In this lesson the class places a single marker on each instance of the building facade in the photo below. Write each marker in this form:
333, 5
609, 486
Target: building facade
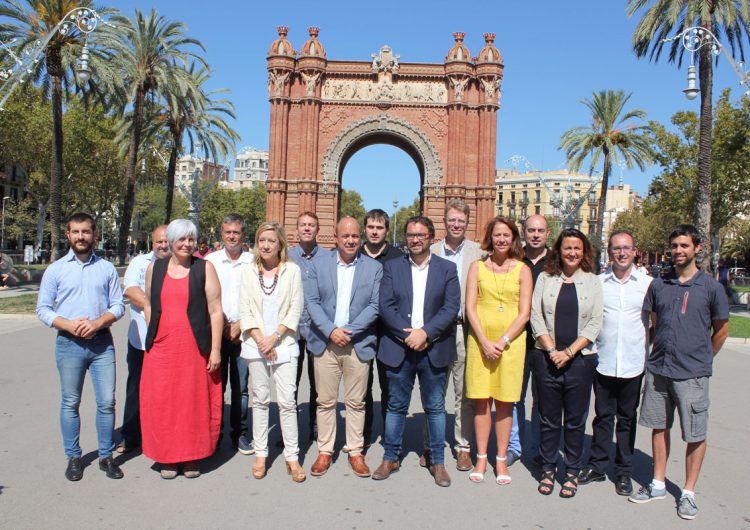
250, 166
187, 165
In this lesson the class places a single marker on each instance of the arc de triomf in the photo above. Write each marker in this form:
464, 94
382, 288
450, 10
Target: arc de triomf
443, 115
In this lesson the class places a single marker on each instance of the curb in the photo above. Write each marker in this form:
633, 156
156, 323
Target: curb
17, 316
737, 340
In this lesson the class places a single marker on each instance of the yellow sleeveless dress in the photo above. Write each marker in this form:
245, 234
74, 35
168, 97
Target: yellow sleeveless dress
500, 379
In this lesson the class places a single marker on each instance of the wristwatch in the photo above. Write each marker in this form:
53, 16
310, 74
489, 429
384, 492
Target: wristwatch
278, 336
507, 340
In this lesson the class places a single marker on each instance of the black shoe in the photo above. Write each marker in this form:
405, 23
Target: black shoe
110, 467
623, 485
74, 471
588, 475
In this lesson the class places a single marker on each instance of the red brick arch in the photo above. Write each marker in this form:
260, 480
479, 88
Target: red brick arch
322, 112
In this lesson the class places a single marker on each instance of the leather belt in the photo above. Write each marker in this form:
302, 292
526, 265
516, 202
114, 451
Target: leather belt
103, 331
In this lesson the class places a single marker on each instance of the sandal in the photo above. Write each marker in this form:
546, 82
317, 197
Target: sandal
297, 472
259, 468
168, 471
476, 476
191, 469
568, 492
546, 488
502, 480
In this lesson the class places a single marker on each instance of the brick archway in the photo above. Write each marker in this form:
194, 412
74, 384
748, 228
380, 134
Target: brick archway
322, 112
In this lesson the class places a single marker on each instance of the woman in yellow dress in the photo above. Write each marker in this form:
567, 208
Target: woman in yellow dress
498, 302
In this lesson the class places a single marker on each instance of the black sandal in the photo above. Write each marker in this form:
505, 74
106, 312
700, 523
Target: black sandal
568, 492
545, 488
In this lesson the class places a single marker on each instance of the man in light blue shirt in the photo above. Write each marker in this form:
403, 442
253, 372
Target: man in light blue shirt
135, 290
87, 292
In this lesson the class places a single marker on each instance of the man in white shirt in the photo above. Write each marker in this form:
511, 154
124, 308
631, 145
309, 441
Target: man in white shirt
622, 346
229, 263
135, 290
461, 251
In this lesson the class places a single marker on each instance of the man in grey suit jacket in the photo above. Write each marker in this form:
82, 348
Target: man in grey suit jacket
461, 251
341, 292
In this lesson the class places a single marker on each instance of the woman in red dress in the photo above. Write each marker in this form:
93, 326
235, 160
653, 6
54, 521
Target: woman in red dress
180, 390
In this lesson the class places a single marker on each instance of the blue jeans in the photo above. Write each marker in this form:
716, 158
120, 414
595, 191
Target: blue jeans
74, 357
518, 431
432, 382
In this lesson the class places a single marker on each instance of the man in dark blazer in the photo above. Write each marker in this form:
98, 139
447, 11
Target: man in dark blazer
341, 293
420, 298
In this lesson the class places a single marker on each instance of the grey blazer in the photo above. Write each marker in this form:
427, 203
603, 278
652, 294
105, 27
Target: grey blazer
471, 253
321, 288
590, 307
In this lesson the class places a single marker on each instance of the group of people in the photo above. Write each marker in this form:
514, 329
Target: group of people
491, 317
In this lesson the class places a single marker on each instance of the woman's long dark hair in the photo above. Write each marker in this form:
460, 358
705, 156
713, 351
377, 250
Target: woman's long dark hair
553, 267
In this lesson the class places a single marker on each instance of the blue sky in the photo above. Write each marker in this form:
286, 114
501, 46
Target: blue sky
555, 54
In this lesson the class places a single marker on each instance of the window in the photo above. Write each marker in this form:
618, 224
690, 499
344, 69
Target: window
538, 196
513, 197
525, 196
512, 212
537, 210
524, 212
500, 195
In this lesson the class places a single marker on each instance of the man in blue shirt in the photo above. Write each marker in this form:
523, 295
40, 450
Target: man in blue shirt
690, 315
87, 292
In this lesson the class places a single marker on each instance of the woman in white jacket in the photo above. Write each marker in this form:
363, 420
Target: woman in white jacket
270, 307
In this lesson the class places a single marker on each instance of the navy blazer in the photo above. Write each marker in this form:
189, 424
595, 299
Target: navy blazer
321, 289
441, 304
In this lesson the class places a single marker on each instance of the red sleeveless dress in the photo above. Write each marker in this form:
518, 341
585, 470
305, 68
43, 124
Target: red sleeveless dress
180, 401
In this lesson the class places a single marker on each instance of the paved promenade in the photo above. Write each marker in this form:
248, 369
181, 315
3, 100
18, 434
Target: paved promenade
35, 494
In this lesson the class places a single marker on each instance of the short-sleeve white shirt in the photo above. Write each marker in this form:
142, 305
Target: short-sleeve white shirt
230, 278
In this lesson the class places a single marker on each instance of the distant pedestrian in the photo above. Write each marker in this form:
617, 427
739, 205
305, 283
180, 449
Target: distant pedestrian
80, 296
690, 315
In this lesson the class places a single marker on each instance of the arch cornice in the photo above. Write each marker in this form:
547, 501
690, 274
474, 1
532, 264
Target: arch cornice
376, 125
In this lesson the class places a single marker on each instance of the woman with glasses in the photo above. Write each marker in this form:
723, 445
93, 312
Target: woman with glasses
498, 300
566, 316
270, 309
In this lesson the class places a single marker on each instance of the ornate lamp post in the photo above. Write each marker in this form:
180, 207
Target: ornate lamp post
693, 39
395, 212
83, 20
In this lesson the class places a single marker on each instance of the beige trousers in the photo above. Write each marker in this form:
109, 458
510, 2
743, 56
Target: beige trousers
330, 366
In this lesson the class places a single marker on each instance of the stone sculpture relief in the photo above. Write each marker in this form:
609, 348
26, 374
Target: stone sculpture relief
311, 80
410, 92
276, 81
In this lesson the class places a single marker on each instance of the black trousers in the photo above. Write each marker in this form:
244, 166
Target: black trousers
234, 371
564, 398
615, 397
313, 403
131, 420
369, 407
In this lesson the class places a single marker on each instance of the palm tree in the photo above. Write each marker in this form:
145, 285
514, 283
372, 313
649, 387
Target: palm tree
152, 53
29, 24
200, 116
610, 137
665, 18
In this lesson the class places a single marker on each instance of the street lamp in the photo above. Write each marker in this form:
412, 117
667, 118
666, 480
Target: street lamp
693, 39
81, 19
2, 230
395, 212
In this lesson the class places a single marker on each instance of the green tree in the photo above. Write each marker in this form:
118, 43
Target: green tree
150, 200
352, 205
152, 54
249, 203
29, 22
20, 221
610, 137
735, 247
401, 215
663, 18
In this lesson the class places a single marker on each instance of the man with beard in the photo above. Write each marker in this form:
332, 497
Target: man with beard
690, 316
135, 290
80, 296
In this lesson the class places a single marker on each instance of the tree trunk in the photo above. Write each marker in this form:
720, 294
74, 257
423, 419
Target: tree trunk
131, 176
703, 202
603, 201
171, 169
40, 217
56, 171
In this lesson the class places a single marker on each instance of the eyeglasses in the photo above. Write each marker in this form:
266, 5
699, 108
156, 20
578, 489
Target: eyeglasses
624, 250
418, 237
457, 222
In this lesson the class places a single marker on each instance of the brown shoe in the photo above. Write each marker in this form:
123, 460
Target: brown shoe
359, 466
463, 461
425, 460
440, 474
321, 465
385, 469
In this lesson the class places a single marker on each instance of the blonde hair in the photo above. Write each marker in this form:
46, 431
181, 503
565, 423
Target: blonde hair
280, 235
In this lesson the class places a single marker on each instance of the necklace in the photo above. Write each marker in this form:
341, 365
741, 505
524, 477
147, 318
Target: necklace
268, 289
500, 292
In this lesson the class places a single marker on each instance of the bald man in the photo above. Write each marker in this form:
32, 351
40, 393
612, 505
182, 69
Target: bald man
341, 296
535, 233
